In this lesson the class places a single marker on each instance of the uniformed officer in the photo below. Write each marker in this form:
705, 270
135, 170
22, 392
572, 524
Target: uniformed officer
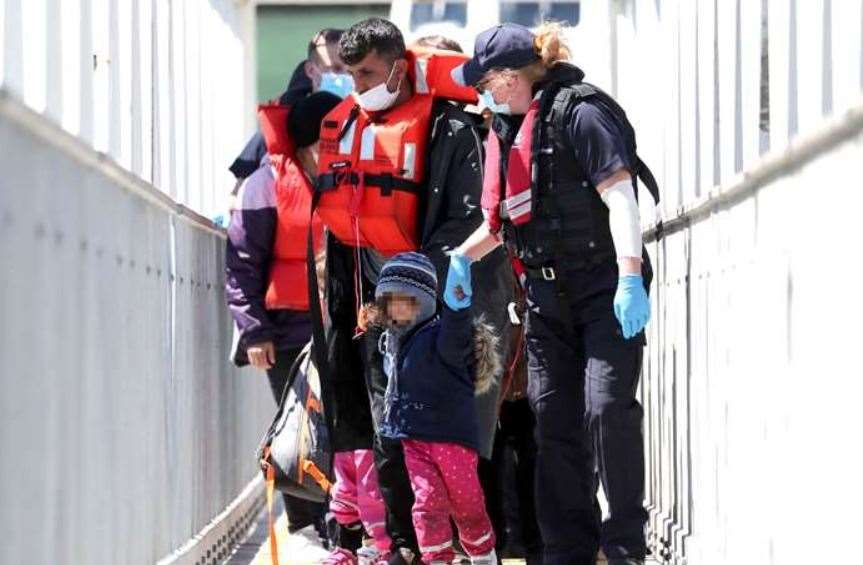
559, 190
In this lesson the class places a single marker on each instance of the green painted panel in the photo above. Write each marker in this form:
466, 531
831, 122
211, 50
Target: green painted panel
283, 34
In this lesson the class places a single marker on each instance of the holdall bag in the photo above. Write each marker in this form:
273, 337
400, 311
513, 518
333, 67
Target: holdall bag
296, 452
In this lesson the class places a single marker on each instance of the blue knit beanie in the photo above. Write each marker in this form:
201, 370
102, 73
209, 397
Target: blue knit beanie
412, 274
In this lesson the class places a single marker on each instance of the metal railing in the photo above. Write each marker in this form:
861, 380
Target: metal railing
125, 431
750, 115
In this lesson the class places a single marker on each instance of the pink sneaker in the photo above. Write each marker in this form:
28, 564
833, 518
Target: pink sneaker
402, 556
340, 556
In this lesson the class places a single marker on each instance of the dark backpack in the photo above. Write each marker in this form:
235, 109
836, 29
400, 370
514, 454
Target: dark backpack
571, 95
296, 452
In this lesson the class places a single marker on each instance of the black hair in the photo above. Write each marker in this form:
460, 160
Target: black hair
372, 34
304, 121
439, 42
329, 35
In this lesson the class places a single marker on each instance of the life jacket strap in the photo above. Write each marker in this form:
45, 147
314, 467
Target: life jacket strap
385, 181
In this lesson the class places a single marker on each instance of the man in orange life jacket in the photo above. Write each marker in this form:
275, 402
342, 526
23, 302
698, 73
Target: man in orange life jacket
448, 197
268, 305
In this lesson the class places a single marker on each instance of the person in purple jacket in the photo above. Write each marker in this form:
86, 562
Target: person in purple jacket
271, 339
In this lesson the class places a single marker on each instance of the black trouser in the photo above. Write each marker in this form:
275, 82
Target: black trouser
301, 512
509, 488
582, 382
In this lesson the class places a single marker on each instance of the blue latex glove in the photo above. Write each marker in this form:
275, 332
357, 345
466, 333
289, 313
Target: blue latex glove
221, 220
631, 305
458, 289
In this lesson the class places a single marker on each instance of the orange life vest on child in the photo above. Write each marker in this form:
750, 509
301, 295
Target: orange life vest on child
288, 285
371, 166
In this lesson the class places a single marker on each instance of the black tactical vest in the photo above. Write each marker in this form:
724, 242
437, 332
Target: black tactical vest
569, 223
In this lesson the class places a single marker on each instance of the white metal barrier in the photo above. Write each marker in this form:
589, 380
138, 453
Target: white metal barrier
166, 88
124, 430
750, 385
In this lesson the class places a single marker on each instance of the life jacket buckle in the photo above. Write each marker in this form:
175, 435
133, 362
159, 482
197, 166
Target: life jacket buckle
548, 273
386, 184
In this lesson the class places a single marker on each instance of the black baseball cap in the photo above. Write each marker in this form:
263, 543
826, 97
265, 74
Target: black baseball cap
503, 46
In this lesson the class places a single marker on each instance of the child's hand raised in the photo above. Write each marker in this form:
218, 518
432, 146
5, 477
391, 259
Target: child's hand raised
458, 291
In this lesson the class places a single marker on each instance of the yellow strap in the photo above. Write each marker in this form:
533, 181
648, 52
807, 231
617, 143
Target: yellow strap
271, 488
320, 478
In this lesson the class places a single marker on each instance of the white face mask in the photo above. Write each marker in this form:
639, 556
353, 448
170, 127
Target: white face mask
380, 98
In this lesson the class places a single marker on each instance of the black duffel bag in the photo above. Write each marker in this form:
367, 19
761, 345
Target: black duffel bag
296, 452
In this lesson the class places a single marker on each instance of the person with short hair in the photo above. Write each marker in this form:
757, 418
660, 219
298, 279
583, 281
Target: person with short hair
322, 69
448, 210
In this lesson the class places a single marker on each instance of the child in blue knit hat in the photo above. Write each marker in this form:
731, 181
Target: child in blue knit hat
429, 404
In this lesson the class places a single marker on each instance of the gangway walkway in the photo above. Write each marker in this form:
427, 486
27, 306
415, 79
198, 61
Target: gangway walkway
301, 548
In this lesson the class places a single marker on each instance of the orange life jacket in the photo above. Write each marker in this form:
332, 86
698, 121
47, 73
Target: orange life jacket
288, 286
372, 166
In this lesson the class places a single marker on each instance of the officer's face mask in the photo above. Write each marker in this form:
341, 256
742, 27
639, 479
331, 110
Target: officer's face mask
379, 97
488, 101
513, 89
340, 84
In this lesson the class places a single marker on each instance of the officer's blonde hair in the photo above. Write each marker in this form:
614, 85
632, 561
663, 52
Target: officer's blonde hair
549, 43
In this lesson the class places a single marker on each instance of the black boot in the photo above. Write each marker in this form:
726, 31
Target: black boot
349, 537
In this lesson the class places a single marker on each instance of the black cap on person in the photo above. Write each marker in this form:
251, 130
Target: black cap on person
508, 46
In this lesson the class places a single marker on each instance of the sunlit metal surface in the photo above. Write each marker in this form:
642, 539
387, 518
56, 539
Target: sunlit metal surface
124, 429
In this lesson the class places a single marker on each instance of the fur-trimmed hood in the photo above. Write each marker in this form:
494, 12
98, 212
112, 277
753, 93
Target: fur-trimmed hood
486, 345
486, 351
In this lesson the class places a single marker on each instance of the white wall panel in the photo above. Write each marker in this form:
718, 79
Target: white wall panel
124, 429
54, 59
689, 149
846, 38
707, 115
783, 64
750, 340
34, 48
155, 84
178, 96
749, 49
811, 68
72, 54
729, 80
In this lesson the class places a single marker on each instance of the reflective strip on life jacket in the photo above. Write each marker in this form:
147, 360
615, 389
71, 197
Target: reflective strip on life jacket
516, 204
346, 144
367, 143
420, 84
409, 166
